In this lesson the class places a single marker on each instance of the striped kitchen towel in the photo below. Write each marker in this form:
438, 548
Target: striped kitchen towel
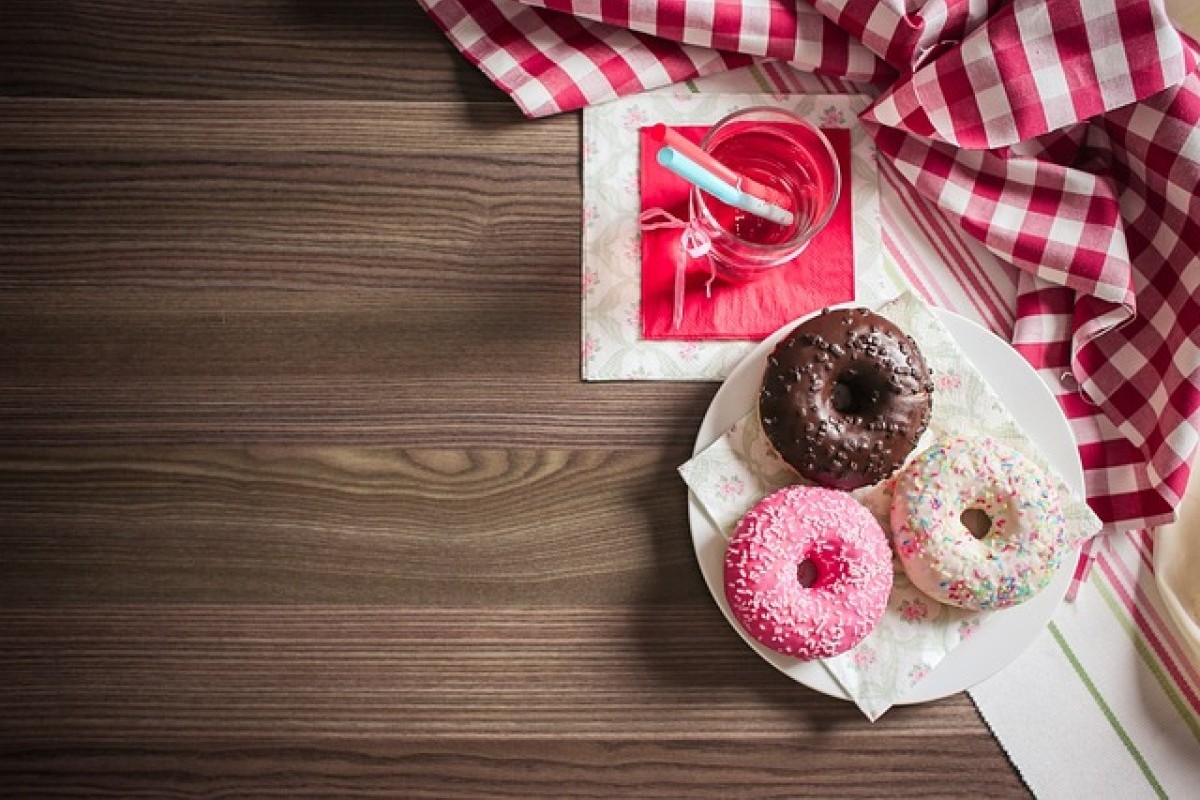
1117, 697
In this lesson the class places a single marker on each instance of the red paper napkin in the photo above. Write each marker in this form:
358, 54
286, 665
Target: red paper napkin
821, 275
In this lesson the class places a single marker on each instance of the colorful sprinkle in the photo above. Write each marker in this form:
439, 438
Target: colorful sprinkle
1019, 554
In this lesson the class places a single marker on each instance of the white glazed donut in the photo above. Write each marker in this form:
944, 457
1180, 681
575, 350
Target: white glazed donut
1023, 547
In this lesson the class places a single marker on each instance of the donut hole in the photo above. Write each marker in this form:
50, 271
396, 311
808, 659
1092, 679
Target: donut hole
807, 573
977, 522
855, 394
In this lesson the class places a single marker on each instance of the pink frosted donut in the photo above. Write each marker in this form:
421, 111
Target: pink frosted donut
808, 572
1023, 535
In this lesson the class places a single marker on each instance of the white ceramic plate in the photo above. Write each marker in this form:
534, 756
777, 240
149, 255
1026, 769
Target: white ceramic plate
1010, 631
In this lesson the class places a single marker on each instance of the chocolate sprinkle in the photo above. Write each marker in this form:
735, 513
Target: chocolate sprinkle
883, 390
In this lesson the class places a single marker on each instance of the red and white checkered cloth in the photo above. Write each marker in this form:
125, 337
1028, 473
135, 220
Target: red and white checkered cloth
1062, 134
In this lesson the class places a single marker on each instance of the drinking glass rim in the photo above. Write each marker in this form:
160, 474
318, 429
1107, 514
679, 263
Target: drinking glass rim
791, 116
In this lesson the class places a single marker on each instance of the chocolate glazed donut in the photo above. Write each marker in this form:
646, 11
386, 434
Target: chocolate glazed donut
845, 398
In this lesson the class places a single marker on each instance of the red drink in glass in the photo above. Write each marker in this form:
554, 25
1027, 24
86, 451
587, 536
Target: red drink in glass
782, 151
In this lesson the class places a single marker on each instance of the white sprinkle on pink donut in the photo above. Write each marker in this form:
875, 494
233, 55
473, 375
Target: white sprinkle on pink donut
831, 541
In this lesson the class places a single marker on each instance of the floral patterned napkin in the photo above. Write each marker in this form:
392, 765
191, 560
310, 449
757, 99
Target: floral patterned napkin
916, 632
613, 347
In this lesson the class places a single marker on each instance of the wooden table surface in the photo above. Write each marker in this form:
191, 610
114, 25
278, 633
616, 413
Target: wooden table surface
300, 491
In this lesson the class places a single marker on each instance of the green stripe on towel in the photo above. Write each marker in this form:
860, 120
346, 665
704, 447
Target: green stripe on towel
1143, 650
762, 81
1108, 713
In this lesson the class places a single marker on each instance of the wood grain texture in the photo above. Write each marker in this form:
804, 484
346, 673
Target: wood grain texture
448, 527
287, 196
300, 492
720, 768
232, 49
333, 272
427, 367
648, 701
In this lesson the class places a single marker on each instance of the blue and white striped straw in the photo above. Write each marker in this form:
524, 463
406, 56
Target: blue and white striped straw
727, 193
